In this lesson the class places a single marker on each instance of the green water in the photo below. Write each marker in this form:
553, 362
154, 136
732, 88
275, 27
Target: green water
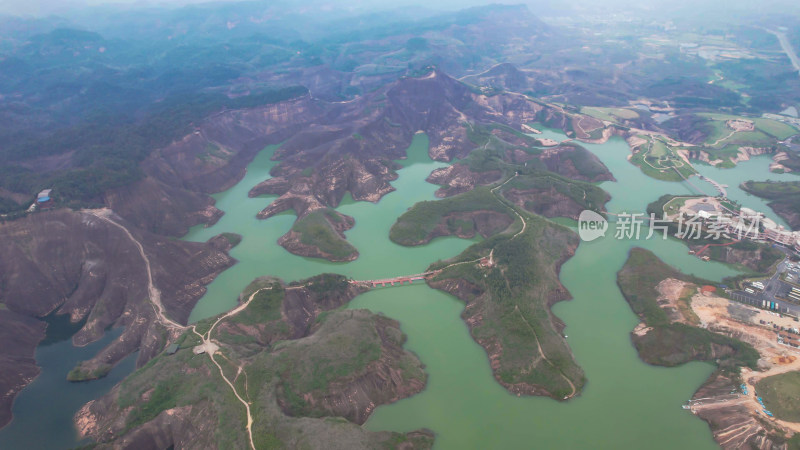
43, 411
258, 254
625, 403
757, 169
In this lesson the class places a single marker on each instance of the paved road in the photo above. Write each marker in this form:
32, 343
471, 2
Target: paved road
774, 287
787, 48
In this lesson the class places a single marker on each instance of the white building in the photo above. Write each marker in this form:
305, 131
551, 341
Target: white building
780, 235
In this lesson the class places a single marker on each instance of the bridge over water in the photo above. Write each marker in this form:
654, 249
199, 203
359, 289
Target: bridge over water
720, 188
396, 281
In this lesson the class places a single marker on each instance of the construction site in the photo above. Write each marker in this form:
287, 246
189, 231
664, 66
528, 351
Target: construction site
770, 333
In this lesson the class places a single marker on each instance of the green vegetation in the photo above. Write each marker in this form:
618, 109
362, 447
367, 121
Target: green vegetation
610, 114
317, 230
484, 159
660, 160
673, 205
416, 225
512, 301
671, 343
265, 312
326, 284
420, 223
776, 129
491, 150
586, 195
794, 442
213, 152
80, 373
163, 397
307, 367
585, 163
255, 285
773, 128
107, 153
784, 196
772, 190
781, 395
724, 143
292, 377
265, 307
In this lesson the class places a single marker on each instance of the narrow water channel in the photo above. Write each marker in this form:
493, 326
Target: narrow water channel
625, 403
43, 411
756, 169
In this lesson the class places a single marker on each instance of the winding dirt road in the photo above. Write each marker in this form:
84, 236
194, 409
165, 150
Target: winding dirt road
211, 348
571, 385
514, 210
152, 291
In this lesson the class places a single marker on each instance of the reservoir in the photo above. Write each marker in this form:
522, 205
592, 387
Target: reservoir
625, 402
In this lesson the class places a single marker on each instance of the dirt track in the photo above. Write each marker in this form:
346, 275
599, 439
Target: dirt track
715, 313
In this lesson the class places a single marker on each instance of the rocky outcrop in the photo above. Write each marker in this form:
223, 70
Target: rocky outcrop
155, 206
301, 366
733, 426
85, 265
352, 148
20, 334
545, 202
575, 162
746, 152
512, 321
328, 150
483, 222
173, 194
366, 180
788, 212
381, 382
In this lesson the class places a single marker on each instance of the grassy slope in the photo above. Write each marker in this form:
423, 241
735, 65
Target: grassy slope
772, 190
490, 152
656, 160
781, 395
670, 344
766, 134
416, 224
673, 205
340, 348
316, 229
771, 127
513, 307
609, 114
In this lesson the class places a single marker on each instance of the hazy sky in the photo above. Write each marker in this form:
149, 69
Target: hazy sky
46, 7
